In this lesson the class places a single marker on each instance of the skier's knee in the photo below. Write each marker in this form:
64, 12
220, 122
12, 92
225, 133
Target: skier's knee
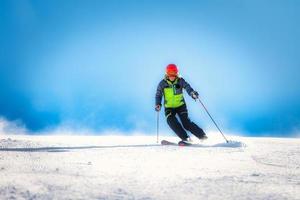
186, 126
171, 120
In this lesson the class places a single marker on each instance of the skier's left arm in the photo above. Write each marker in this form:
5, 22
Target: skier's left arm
194, 94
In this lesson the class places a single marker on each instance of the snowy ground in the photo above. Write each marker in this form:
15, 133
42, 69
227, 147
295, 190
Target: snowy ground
135, 167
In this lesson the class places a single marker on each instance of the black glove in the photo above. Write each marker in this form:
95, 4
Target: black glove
157, 108
195, 95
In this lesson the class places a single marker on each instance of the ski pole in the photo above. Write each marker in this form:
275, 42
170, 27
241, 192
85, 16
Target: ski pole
213, 120
157, 126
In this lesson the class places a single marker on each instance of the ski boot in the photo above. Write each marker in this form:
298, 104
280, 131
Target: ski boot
187, 142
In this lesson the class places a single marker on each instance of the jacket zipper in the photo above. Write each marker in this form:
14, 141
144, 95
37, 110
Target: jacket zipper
173, 101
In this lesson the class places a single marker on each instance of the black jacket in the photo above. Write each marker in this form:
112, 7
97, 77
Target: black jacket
179, 89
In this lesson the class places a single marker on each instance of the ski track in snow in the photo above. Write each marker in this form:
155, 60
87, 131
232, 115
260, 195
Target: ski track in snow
135, 167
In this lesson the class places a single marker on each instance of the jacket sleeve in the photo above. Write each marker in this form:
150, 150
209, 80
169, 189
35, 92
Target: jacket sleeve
159, 94
187, 87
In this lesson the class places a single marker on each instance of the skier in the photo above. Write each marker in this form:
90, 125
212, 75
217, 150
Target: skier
171, 87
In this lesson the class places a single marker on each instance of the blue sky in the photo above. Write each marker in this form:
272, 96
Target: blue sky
96, 64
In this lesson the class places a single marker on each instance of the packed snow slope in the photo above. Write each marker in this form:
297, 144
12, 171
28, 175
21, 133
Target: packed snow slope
136, 167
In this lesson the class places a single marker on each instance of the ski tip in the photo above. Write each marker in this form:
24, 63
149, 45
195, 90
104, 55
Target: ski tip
165, 142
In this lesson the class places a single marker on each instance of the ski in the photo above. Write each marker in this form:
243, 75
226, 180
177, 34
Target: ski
165, 142
181, 143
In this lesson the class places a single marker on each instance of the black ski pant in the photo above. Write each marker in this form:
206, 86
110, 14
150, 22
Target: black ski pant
187, 124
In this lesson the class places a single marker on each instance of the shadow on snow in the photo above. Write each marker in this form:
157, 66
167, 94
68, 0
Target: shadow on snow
231, 144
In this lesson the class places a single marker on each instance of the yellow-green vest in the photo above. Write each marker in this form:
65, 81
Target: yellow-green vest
173, 96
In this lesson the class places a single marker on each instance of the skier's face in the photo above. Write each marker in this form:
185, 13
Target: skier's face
172, 78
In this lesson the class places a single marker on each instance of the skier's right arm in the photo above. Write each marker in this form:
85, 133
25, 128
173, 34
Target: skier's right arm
158, 96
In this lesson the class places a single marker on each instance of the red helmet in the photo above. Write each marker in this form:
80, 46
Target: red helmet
171, 70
